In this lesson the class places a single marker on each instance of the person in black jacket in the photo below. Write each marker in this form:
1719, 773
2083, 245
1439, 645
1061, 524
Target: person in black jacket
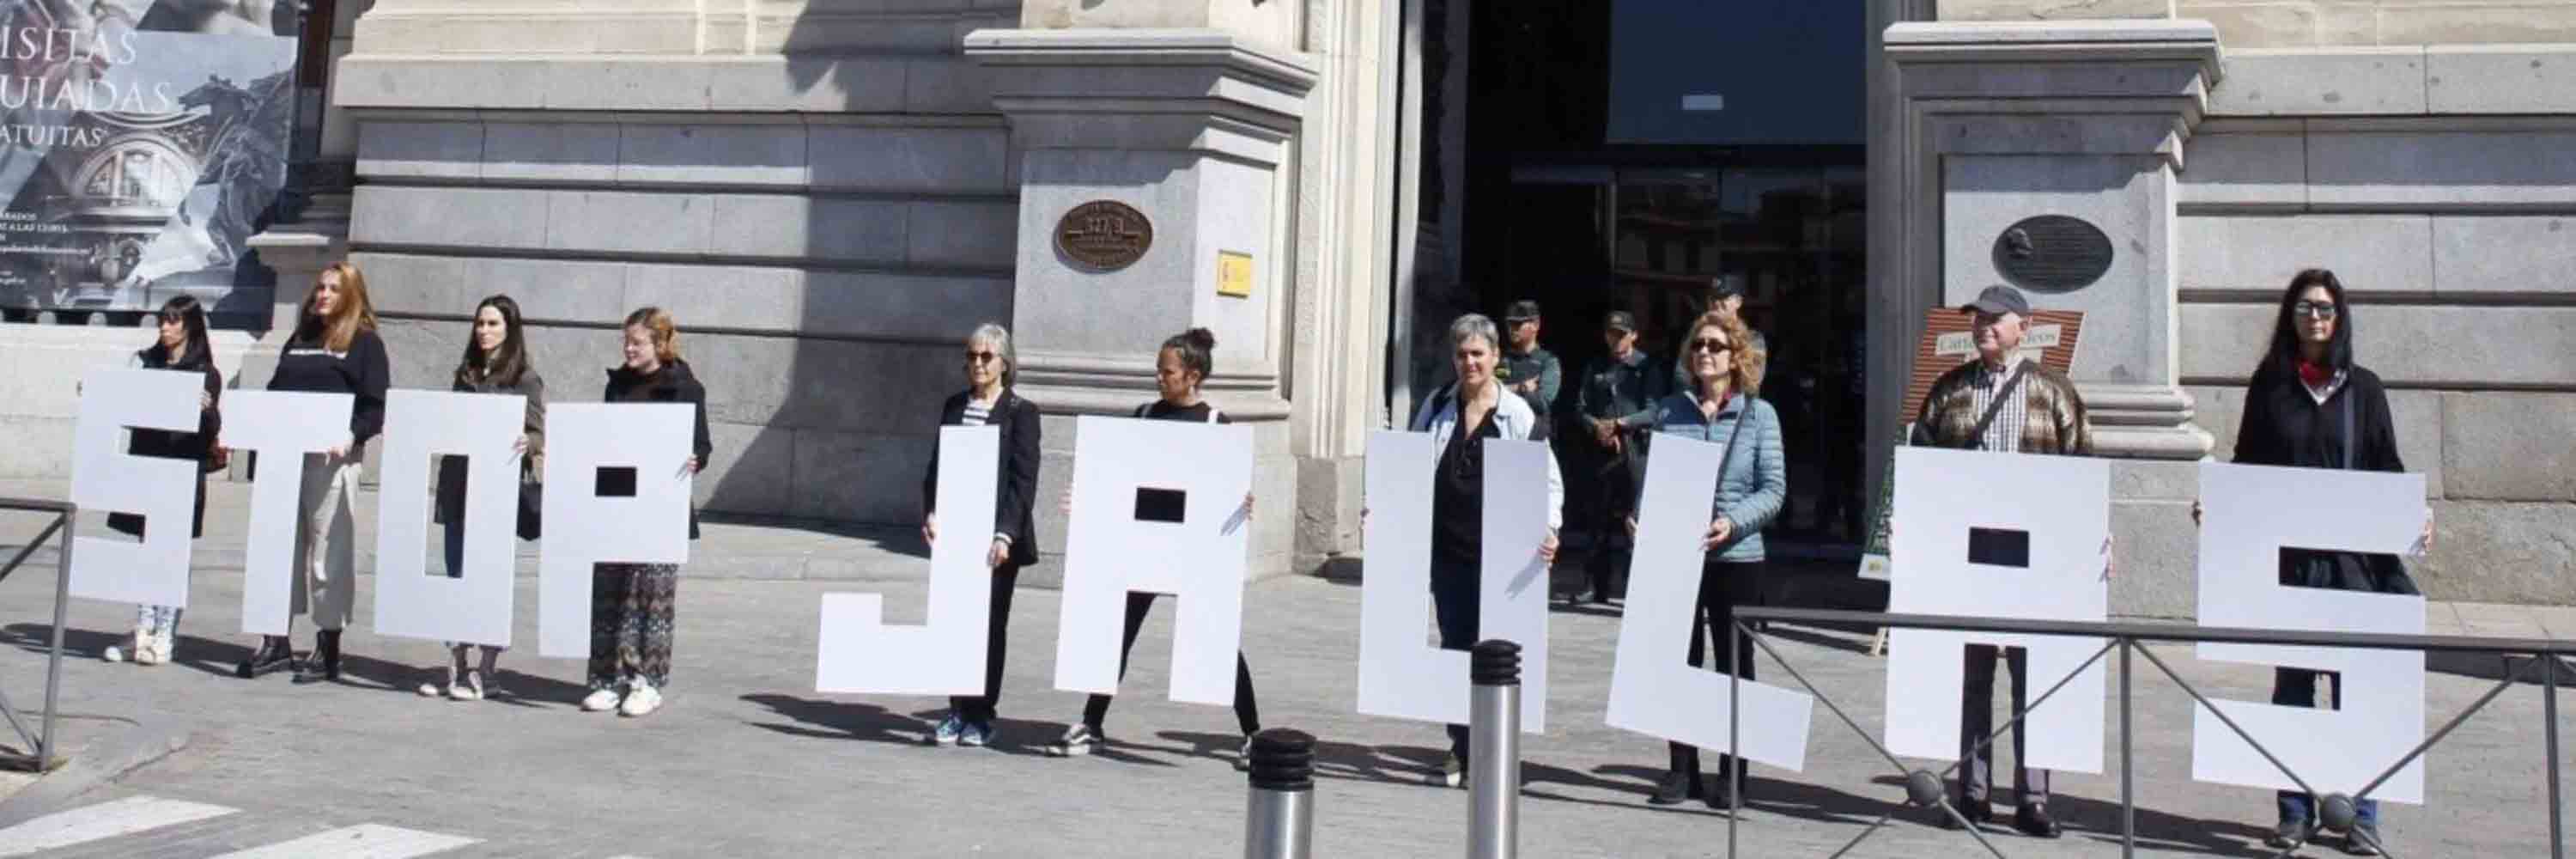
990, 365
2310, 406
182, 345
631, 604
496, 362
334, 350
1180, 366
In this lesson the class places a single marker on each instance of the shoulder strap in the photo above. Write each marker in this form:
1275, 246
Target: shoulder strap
2346, 393
1213, 414
2012, 385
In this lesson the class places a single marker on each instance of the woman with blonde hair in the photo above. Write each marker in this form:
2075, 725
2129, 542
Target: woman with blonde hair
334, 350
631, 605
1721, 363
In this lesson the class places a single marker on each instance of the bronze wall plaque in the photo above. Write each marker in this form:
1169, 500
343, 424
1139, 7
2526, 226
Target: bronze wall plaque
1104, 235
2052, 253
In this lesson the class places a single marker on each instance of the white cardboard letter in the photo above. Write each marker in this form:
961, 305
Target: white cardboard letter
1400, 676
944, 655
420, 426
280, 427
2252, 512
2062, 505
107, 477
1200, 560
1653, 690
584, 529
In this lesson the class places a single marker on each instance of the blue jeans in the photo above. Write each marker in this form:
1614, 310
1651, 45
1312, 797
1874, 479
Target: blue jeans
2297, 687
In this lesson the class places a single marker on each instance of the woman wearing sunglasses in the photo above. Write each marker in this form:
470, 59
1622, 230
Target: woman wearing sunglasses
1722, 366
988, 400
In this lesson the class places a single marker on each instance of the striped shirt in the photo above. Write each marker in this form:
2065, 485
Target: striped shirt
2005, 433
978, 412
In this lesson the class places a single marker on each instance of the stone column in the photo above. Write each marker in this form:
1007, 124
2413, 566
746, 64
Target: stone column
2007, 121
1192, 128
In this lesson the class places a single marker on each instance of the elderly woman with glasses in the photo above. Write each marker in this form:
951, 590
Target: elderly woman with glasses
1721, 366
988, 400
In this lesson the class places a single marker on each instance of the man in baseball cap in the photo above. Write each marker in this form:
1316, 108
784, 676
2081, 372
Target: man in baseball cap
1527, 369
1614, 409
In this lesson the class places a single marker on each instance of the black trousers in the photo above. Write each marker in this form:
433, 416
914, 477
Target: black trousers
1456, 586
1247, 714
1723, 587
1615, 478
997, 641
1976, 720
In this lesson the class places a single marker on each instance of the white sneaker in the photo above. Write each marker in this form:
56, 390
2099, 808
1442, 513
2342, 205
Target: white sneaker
147, 653
112, 654
469, 687
599, 701
641, 701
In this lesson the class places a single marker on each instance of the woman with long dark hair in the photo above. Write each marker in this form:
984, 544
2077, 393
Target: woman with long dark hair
181, 345
991, 364
1180, 366
2311, 406
632, 605
496, 362
334, 350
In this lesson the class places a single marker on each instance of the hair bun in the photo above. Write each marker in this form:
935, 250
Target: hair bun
1201, 337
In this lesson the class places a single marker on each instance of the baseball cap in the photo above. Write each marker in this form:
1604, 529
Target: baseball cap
1999, 299
1725, 287
1620, 320
1521, 310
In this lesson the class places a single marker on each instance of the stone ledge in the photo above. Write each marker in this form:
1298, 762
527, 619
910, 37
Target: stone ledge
2351, 81
862, 83
1136, 87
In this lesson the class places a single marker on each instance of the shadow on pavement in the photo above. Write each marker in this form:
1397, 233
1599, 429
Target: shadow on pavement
2099, 821
851, 720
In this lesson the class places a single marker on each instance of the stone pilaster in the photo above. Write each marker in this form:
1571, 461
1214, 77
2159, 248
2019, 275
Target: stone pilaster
1193, 128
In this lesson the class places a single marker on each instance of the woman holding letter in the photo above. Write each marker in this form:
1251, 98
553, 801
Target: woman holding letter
631, 605
334, 350
990, 365
1460, 417
181, 345
496, 362
2310, 406
1179, 367
1722, 364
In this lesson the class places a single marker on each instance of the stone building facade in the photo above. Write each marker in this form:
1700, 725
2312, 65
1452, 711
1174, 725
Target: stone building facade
829, 193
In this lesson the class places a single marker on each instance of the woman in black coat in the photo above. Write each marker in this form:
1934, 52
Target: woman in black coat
2310, 406
988, 400
631, 605
182, 346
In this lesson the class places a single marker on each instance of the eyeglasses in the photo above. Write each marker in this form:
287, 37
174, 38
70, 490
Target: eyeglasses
2314, 309
982, 357
1710, 344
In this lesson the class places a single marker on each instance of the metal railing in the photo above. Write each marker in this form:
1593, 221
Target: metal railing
1927, 789
63, 513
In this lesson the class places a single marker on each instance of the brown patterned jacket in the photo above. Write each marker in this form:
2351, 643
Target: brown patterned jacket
2057, 422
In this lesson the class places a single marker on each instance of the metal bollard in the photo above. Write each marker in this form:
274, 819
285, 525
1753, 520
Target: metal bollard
1279, 819
1494, 751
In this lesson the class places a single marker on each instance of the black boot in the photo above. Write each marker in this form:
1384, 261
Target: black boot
1682, 781
272, 654
325, 663
1721, 789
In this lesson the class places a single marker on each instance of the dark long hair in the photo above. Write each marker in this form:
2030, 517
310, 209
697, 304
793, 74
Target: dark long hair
2281, 361
186, 311
511, 361
1197, 348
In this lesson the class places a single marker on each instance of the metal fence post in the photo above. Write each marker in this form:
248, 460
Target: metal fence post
1279, 818
2128, 761
1494, 751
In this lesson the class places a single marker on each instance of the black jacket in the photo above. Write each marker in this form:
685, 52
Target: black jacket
672, 384
1014, 500
2285, 426
364, 371
195, 447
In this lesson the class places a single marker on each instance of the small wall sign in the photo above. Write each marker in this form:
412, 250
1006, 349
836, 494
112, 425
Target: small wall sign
1233, 274
1104, 235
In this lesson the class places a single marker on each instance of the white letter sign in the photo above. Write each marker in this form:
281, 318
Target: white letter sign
1998, 535
1125, 470
1653, 690
279, 428
584, 529
420, 426
859, 652
1401, 675
106, 476
2249, 514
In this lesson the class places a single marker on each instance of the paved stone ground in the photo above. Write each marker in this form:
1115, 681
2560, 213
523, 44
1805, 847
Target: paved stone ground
746, 761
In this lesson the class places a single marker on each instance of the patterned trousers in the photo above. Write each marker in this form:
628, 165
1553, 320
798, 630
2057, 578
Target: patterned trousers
630, 623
